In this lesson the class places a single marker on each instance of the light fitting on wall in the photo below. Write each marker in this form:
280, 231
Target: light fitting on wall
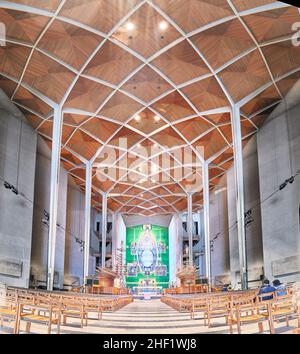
7, 185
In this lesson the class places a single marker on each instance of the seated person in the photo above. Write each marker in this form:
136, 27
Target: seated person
265, 289
280, 288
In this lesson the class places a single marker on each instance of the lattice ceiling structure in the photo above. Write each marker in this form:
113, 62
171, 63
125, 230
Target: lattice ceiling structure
160, 73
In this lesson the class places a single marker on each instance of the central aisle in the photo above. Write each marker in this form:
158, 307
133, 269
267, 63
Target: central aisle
146, 316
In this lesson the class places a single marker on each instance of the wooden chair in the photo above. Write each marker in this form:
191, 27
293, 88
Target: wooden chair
247, 313
9, 310
217, 307
30, 313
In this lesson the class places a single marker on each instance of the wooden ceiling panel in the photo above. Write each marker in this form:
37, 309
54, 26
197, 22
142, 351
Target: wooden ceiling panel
243, 5
74, 119
99, 14
100, 128
173, 107
33, 119
181, 63
47, 76
206, 94
146, 84
146, 37
87, 95
71, 44
83, 144
268, 25
70, 157
13, 58
147, 122
8, 86
224, 42
264, 99
112, 64
245, 76
49, 5
287, 83
194, 127
282, 57
120, 107
169, 138
219, 118
27, 99
47, 126
22, 26
192, 14
125, 137
210, 144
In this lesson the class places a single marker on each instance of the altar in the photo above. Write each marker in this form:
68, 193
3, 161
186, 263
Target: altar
146, 289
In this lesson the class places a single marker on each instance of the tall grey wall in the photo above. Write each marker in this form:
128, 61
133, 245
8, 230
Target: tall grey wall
253, 231
40, 230
17, 166
279, 159
220, 264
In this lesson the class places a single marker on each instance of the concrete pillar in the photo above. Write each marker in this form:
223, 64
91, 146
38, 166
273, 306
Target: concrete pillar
114, 239
239, 184
104, 229
54, 183
190, 227
206, 221
87, 220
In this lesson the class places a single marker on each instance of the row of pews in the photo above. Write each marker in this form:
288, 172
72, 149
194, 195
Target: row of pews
52, 309
239, 308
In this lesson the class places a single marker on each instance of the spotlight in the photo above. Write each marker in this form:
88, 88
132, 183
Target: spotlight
130, 26
163, 25
157, 119
137, 118
138, 145
283, 185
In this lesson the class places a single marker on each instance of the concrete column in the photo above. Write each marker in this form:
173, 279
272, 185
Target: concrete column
54, 183
239, 184
87, 220
190, 227
114, 239
206, 221
104, 229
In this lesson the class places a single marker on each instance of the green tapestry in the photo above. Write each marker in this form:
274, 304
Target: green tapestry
147, 256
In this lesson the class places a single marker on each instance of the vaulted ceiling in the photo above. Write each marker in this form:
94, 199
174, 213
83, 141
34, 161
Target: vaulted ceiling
144, 83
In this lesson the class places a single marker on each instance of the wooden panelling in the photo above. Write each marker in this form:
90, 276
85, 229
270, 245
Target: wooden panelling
222, 43
146, 84
87, 95
146, 38
206, 94
282, 57
181, 63
192, 14
112, 63
47, 76
100, 128
71, 44
120, 107
173, 107
192, 128
102, 15
273, 24
12, 59
245, 76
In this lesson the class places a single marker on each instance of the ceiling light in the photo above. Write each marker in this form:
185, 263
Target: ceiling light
142, 195
156, 118
138, 145
137, 118
130, 26
163, 25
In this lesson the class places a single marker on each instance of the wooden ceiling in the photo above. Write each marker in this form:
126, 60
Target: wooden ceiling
144, 83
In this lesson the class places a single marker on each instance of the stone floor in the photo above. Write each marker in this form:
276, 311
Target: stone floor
150, 317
